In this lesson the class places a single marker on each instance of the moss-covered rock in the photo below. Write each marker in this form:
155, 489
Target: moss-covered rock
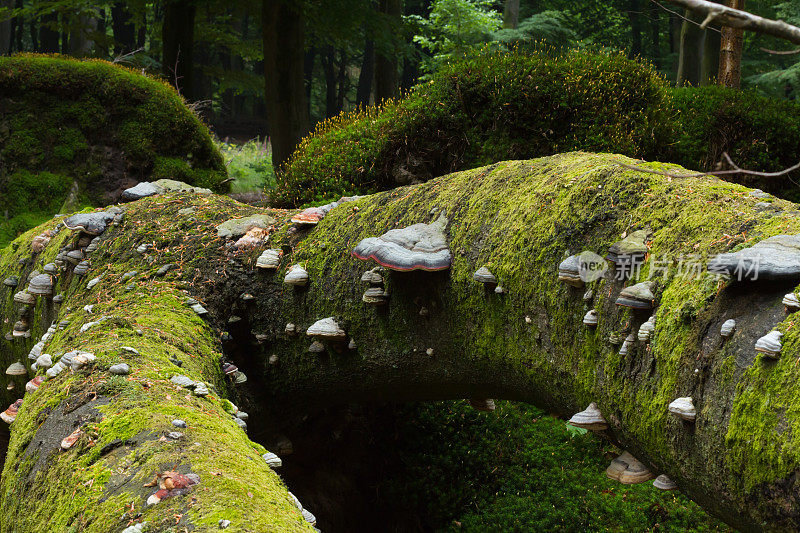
519, 218
82, 131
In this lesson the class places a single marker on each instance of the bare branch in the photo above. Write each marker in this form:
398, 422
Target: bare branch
735, 18
780, 52
665, 8
735, 169
124, 58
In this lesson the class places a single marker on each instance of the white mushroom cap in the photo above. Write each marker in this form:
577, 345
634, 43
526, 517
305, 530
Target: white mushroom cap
590, 418
684, 408
297, 276
327, 328
16, 369
590, 318
636, 472
770, 344
484, 275
663, 482
727, 328
272, 460
269, 259
791, 301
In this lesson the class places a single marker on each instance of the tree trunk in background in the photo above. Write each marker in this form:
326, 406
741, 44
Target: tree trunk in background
329, 68
48, 33
124, 29
308, 71
19, 22
730, 52
655, 35
674, 33
690, 51
285, 92
387, 82
81, 28
6, 29
511, 14
635, 17
710, 63
344, 81
177, 35
364, 90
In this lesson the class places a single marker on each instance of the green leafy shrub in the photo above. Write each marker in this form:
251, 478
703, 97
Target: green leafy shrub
482, 109
758, 132
517, 469
96, 124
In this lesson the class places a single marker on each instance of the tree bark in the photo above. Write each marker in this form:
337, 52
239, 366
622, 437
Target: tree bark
511, 14
287, 107
48, 33
635, 18
709, 66
329, 68
690, 51
177, 36
387, 79
734, 18
527, 344
6, 29
364, 89
124, 29
730, 52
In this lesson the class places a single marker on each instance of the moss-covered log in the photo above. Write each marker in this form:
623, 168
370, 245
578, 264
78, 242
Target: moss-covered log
442, 335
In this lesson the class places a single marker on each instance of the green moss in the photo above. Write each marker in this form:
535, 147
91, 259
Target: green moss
94, 124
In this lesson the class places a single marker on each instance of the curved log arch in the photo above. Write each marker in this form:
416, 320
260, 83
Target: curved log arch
738, 460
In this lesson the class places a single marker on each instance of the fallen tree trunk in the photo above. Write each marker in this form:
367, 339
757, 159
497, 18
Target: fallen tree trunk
442, 335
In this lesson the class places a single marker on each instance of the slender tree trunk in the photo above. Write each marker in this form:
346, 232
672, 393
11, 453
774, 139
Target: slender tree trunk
364, 90
6, 29
675, 27
329, 68
178, 40
711, 51
635, 18
730, 52
80, 42
19, 22
48, 33
124, 29
511, 14
343, 81
284, 59
308, 71
690, 51
387, 83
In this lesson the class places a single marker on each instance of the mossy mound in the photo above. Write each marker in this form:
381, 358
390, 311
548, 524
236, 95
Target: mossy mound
82, 131
480, 110
758, 132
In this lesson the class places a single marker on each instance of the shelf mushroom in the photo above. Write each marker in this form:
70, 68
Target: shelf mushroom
297, 276
41, 285
683, 408
417, 247
791, 302
327, 329
272, 460
770, 344
628, 470
647, 329
727, 328
590, 318
630, 251
590, 418
90, 223
16, 369
663, 482
569, 271
774, 258
269, 259
484, 275
375, 296
9, 415
639, 296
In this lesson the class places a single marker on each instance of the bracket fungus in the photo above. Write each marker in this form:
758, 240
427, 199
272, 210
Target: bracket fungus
775, 258
312, 215
41, 285
327, 329
683, 408
628, 470
24, 298
171, 484
727, 328
569, 271
16, 369
297, 276
375, 296
272, 460
34, 384
631, 250
90, 223
647, 329
269, 259
316, 347
791, 302
70, 440
11, 281
590, 418
770, 344
590, 318
638, 296
10, 414
373, 277
417, 247
663, 482
484, 275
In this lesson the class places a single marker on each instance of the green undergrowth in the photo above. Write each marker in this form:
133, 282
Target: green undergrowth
497, 106
518, 469
76, 131
249, 164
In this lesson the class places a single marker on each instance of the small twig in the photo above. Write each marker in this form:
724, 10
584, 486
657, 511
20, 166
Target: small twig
780, 52
726, 157
124, 57
681, 16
